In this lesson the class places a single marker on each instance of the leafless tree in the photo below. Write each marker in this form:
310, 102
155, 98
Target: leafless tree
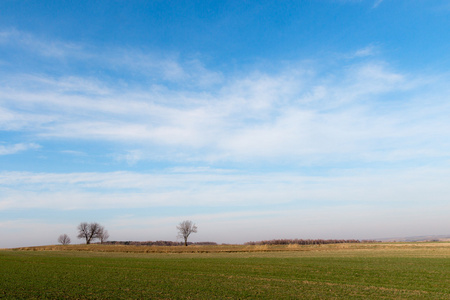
103, 235
89, 231
64, 239
185, 228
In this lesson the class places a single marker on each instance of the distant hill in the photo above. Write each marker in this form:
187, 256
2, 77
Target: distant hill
422, 238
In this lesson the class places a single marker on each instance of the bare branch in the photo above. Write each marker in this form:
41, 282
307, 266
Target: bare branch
185, 228
64, 239
103, 235
89, 231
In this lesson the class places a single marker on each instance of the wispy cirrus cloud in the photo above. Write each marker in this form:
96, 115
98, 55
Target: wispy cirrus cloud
367, 51
131, 157
220, 188
42, 46
15, 148
297, 113
376, 3
134, 63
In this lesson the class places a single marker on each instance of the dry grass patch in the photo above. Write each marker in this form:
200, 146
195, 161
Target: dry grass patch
374, 249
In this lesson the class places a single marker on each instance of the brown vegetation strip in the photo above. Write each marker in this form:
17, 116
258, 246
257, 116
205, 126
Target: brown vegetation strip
445, 247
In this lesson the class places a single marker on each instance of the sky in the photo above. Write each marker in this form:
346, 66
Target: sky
256, 120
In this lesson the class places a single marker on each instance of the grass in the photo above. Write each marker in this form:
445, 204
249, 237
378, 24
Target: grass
357, 271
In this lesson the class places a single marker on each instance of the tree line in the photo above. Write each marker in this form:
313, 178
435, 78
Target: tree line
307, 242
158, 243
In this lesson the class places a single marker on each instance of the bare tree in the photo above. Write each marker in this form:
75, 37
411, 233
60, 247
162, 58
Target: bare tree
89, 231
103, 235
185, 228
64, 239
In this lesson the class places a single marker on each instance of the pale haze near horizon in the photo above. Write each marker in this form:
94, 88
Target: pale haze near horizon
294, 119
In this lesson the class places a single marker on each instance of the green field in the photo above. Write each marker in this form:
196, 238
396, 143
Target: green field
400, 271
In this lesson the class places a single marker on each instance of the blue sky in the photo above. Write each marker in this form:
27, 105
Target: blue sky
282, 119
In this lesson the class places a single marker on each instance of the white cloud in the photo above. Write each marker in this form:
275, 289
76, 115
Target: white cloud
297, 113
376, 3
161, 67
131, 157
368, 51
74, 152
12, 149
44, 47
212, 188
